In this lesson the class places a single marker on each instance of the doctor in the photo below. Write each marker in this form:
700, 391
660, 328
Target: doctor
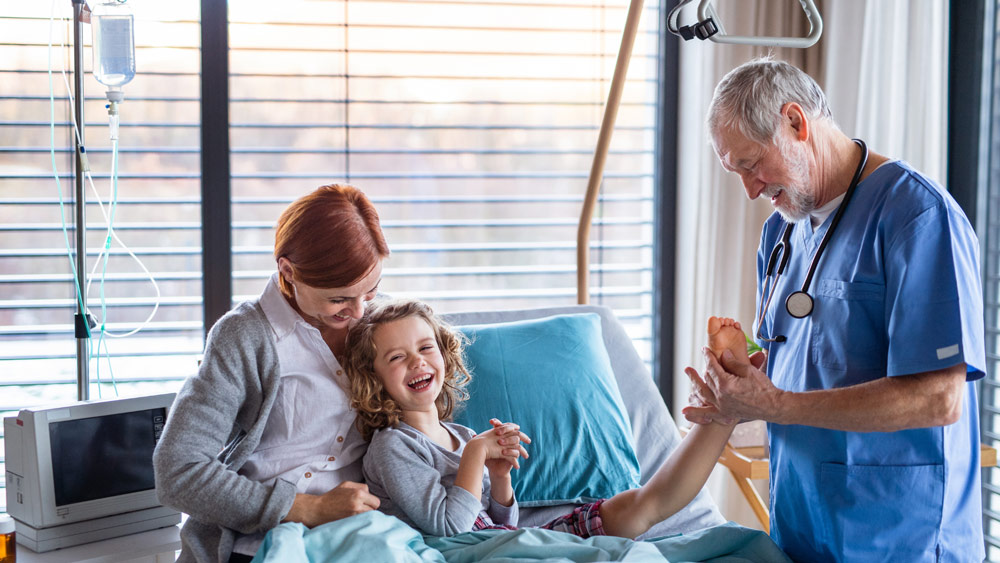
870, 313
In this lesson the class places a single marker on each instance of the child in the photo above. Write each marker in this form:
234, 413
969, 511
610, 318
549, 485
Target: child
406, 373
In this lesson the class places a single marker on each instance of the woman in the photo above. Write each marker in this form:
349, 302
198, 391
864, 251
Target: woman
264, 433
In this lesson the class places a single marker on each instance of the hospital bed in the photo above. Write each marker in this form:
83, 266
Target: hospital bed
698, 532
654, 434
654, 431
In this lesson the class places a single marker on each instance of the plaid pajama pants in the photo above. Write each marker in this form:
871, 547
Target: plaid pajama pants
584, 521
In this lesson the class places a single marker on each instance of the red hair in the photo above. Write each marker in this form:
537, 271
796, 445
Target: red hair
331, 237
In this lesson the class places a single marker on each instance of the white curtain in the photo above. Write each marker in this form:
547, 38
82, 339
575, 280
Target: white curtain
883, 64
885, 71
718, 227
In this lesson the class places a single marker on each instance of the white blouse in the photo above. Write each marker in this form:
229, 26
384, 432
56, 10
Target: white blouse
310, 439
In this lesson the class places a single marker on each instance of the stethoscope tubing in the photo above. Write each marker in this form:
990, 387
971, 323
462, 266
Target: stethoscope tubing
799, 304
837, 216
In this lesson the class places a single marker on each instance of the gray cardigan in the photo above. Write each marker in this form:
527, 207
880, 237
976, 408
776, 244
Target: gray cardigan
215, 424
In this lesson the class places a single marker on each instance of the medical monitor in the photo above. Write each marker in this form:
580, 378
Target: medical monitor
78, 471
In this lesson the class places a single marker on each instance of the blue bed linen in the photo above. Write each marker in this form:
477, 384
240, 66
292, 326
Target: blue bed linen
553, 377
373, 536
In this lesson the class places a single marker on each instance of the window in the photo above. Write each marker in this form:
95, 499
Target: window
471, 125
988, 225
157, 214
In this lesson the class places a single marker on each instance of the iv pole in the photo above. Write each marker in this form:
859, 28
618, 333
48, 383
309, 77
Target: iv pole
81, 319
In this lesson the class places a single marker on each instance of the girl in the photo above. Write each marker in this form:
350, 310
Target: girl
406, 373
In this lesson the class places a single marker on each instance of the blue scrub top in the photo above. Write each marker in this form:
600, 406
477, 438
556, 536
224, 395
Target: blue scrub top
897, 292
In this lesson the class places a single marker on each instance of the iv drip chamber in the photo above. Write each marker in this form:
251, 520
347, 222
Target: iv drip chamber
114, 43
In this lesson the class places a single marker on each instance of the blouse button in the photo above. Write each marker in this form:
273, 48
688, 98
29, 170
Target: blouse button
340, 372
340, 438
308, 475
331, 458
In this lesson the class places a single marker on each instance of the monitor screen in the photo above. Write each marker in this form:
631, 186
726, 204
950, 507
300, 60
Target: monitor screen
104, 456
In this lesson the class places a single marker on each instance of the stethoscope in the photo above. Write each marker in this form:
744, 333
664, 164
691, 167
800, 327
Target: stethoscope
800, 304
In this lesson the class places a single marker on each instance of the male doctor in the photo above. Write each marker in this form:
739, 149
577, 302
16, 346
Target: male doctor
867, 382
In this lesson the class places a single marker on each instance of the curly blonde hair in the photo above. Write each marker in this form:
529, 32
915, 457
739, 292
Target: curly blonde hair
376, 409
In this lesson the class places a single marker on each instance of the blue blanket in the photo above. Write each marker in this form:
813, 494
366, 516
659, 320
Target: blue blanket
373, 536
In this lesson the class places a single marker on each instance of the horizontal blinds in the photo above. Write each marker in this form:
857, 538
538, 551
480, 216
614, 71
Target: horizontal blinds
471, 125
990, 388
157, 216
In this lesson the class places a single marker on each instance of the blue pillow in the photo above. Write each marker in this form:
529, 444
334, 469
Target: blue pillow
552, 376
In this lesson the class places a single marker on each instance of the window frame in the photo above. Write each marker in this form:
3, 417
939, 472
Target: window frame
972, 91
215, 187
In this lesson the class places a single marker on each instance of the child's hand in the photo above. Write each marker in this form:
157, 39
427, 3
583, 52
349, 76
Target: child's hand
511, 435
503, 442
499, 469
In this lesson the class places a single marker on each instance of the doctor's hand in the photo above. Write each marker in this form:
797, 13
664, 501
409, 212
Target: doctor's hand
741, 390
346, 499
702, 405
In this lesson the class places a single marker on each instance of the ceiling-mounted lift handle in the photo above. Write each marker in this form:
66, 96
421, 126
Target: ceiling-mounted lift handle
709, 26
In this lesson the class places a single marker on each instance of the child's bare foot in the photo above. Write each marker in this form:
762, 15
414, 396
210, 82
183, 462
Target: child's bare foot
726, 334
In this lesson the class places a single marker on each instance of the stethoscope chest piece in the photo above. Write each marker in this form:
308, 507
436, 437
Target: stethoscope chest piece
799, 304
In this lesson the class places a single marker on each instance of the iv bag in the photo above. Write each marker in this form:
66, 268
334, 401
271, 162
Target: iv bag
114, 43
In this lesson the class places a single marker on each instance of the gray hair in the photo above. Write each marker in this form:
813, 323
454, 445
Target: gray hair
750, 97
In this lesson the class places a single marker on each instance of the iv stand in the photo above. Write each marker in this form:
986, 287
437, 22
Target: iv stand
81, 319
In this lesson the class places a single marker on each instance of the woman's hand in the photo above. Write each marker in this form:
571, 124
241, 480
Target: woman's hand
346, 499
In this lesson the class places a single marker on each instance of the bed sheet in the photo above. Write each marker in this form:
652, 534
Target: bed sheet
374, 536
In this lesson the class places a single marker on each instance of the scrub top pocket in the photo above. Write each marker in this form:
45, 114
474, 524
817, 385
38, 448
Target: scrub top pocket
883, 512
848, 327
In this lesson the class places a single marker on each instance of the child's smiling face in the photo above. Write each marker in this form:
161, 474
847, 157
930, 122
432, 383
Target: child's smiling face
408, 361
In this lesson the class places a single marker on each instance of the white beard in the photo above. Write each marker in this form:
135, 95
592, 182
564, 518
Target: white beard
800, 200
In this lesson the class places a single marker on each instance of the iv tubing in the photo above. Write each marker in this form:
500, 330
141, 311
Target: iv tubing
112, 234
84, 166
104, 213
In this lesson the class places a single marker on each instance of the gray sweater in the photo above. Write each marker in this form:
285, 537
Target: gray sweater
215, 424
414, 478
